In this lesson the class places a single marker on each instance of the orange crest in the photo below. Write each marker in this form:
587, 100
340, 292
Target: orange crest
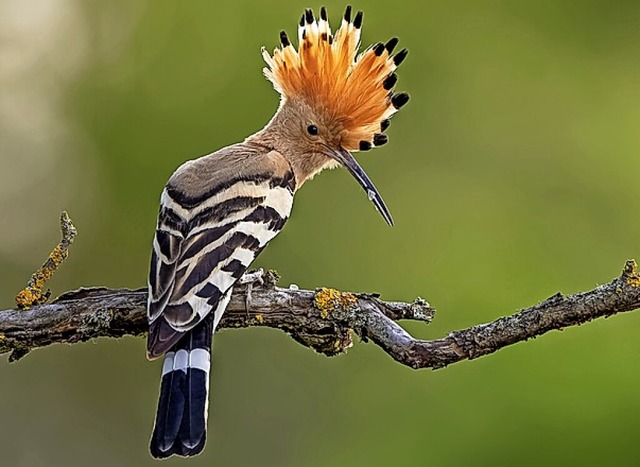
353, 90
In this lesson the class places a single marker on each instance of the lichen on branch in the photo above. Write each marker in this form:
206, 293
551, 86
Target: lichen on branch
34, 293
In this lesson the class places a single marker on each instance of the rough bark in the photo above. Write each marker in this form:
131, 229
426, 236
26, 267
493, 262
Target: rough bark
323, 319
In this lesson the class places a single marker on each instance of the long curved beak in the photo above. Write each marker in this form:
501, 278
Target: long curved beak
347, 160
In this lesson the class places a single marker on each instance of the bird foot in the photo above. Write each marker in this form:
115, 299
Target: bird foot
252, 277
249, 279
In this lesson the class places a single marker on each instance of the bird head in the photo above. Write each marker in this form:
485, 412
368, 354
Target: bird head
335, 101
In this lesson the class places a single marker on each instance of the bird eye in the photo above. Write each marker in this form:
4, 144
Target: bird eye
312, 130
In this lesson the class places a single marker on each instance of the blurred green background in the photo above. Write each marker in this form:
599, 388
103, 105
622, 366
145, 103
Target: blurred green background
512, 174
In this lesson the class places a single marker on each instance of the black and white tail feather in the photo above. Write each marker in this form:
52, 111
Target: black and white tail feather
213, 222
181, 419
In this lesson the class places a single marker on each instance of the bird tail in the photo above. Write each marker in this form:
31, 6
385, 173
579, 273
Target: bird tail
180, 425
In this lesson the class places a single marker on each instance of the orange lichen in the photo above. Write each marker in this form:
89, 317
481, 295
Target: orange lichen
34, 293
631, 273
329, 300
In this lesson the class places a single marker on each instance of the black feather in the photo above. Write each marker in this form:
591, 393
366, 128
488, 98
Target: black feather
169, 415
357, 21
390, 81
284, 39
365, 145
378, 49
400, 56
347, 14
308, 13
391, 44
400, 99
193, 427
379, 139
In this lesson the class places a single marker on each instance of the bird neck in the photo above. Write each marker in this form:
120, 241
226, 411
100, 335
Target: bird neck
282, 134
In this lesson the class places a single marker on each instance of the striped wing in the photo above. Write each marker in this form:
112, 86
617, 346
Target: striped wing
203, 246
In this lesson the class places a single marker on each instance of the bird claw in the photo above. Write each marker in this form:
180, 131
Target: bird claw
252, 277
249, 279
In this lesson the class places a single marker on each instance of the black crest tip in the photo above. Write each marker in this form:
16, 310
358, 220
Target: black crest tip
400, 99
365, 145
347, 14
400, 56
378, 49
384, 124
379, 139
302, 21
390, 81
357, 21
284, 39
323, 14
391, 44
308, 14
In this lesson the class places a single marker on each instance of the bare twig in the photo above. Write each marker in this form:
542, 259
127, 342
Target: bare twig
321, 319
34, 293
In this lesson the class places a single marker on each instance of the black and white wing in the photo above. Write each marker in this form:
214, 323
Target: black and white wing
203, 244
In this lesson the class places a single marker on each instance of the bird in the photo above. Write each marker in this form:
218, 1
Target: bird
219, 211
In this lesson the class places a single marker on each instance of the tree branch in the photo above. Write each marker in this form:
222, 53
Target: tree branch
321, 319
34, 292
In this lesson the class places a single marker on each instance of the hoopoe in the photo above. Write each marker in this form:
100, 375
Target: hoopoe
218, 212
